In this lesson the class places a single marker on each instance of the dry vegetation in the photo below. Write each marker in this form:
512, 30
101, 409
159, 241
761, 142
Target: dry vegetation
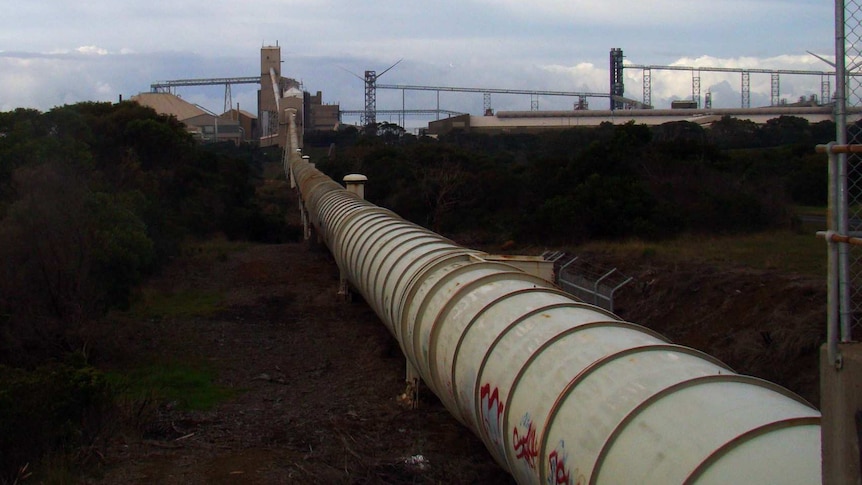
757, 307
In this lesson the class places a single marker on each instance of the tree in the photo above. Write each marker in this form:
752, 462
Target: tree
730, 133
68, 254
440, 185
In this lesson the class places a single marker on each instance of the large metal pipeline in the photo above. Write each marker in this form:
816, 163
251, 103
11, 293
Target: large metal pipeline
559, 391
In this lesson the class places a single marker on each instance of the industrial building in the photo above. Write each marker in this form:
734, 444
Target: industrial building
320, 116
536, 121
277, 93
203, 125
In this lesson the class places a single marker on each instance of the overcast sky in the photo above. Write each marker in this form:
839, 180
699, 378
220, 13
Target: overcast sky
54, 52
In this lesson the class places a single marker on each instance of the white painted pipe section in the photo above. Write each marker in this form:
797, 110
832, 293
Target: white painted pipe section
560, 391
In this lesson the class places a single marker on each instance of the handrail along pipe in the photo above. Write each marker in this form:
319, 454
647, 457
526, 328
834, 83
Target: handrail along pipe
559, 391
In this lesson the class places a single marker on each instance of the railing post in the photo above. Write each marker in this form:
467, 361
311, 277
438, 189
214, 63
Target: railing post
611, 305
596, 286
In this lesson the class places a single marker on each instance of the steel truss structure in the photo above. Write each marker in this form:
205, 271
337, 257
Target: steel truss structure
170, 86
745, 81
487, 92
369, 117
617, 86
401, 113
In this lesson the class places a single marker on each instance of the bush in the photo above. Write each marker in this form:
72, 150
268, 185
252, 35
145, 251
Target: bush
56, 407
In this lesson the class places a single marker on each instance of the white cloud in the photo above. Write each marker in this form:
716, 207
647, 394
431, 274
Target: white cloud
56, 51
92, 50
584, 76
103, 88
617, 14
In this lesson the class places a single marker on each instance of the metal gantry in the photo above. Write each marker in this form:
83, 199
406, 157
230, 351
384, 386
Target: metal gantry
695, 87
617, 86
487, 92
745, 89
370, 115
775, 99
647, 85
170, 86
401, 113
744, 73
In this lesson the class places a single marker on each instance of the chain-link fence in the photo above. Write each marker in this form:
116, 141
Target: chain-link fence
852, 277
845, 182
852, 46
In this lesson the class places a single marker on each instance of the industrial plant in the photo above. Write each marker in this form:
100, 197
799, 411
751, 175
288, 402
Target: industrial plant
278, 92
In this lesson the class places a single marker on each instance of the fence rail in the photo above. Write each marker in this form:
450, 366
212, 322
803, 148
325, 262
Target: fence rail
589, 282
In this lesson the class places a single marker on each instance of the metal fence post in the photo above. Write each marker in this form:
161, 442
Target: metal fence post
596, 286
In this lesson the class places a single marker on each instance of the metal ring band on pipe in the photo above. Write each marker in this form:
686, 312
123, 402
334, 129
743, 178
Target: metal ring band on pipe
337, 211
634, 413
379, 256
464, 289
415, 266
429, 267
504, 269
480, 371
716, 455
555, 408
364, 241
432, 291
354, 229
350, 226
554, 339
396, 308
413, 287
399, 244
503, 298
341, 223
381, 235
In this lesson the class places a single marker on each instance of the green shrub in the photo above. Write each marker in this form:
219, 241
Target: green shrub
54, 407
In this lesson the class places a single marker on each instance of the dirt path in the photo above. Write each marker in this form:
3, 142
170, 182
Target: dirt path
317, 379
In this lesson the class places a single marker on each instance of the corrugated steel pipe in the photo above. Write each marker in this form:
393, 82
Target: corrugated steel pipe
560, 391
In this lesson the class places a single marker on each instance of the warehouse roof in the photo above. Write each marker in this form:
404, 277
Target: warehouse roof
168, 104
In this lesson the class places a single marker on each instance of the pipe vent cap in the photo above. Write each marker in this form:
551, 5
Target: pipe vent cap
355, 178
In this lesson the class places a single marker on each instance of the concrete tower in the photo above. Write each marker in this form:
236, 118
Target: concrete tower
270, 92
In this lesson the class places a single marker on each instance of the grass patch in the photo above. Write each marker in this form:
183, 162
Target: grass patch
181, 304
811, 210
191, 388
792, 252
214, 249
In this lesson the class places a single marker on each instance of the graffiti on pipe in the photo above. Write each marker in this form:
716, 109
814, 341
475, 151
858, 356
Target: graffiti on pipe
559, 475
526, 447
492, 412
